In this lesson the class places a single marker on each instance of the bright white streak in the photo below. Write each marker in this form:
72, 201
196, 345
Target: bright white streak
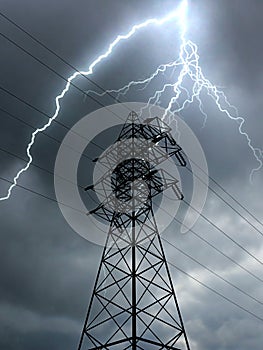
188, 61
172, 15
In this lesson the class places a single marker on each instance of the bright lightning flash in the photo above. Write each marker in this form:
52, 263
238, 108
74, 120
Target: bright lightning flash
188, 65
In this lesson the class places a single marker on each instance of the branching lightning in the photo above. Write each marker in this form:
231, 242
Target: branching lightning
188, 66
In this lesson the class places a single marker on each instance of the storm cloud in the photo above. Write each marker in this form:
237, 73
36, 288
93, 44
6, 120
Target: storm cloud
47, 271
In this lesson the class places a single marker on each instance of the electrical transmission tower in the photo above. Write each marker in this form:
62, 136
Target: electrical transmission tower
133, 304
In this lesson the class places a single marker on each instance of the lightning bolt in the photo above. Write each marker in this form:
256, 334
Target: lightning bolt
188, 65
152, 21
189, 68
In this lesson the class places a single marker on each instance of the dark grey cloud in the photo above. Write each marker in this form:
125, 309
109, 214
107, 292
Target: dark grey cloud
47, 271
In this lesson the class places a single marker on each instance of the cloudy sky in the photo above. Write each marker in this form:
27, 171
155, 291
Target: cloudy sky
47, 270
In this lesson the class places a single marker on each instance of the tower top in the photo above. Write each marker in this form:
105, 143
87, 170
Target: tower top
134, 173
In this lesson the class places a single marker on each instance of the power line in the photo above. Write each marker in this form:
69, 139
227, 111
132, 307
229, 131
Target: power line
219, 196
59, 75
42, 195
57, 55
39, 167
49, 68
47, 116
219, 251
213, 272
216, 292
225, 234
227, 193
36, 165
11, 115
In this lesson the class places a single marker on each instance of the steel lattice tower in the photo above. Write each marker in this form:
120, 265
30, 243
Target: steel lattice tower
133, 304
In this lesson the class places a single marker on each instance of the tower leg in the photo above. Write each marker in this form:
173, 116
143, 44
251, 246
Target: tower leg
134, 305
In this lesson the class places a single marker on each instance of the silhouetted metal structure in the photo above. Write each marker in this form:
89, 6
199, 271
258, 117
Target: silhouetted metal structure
133, 304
